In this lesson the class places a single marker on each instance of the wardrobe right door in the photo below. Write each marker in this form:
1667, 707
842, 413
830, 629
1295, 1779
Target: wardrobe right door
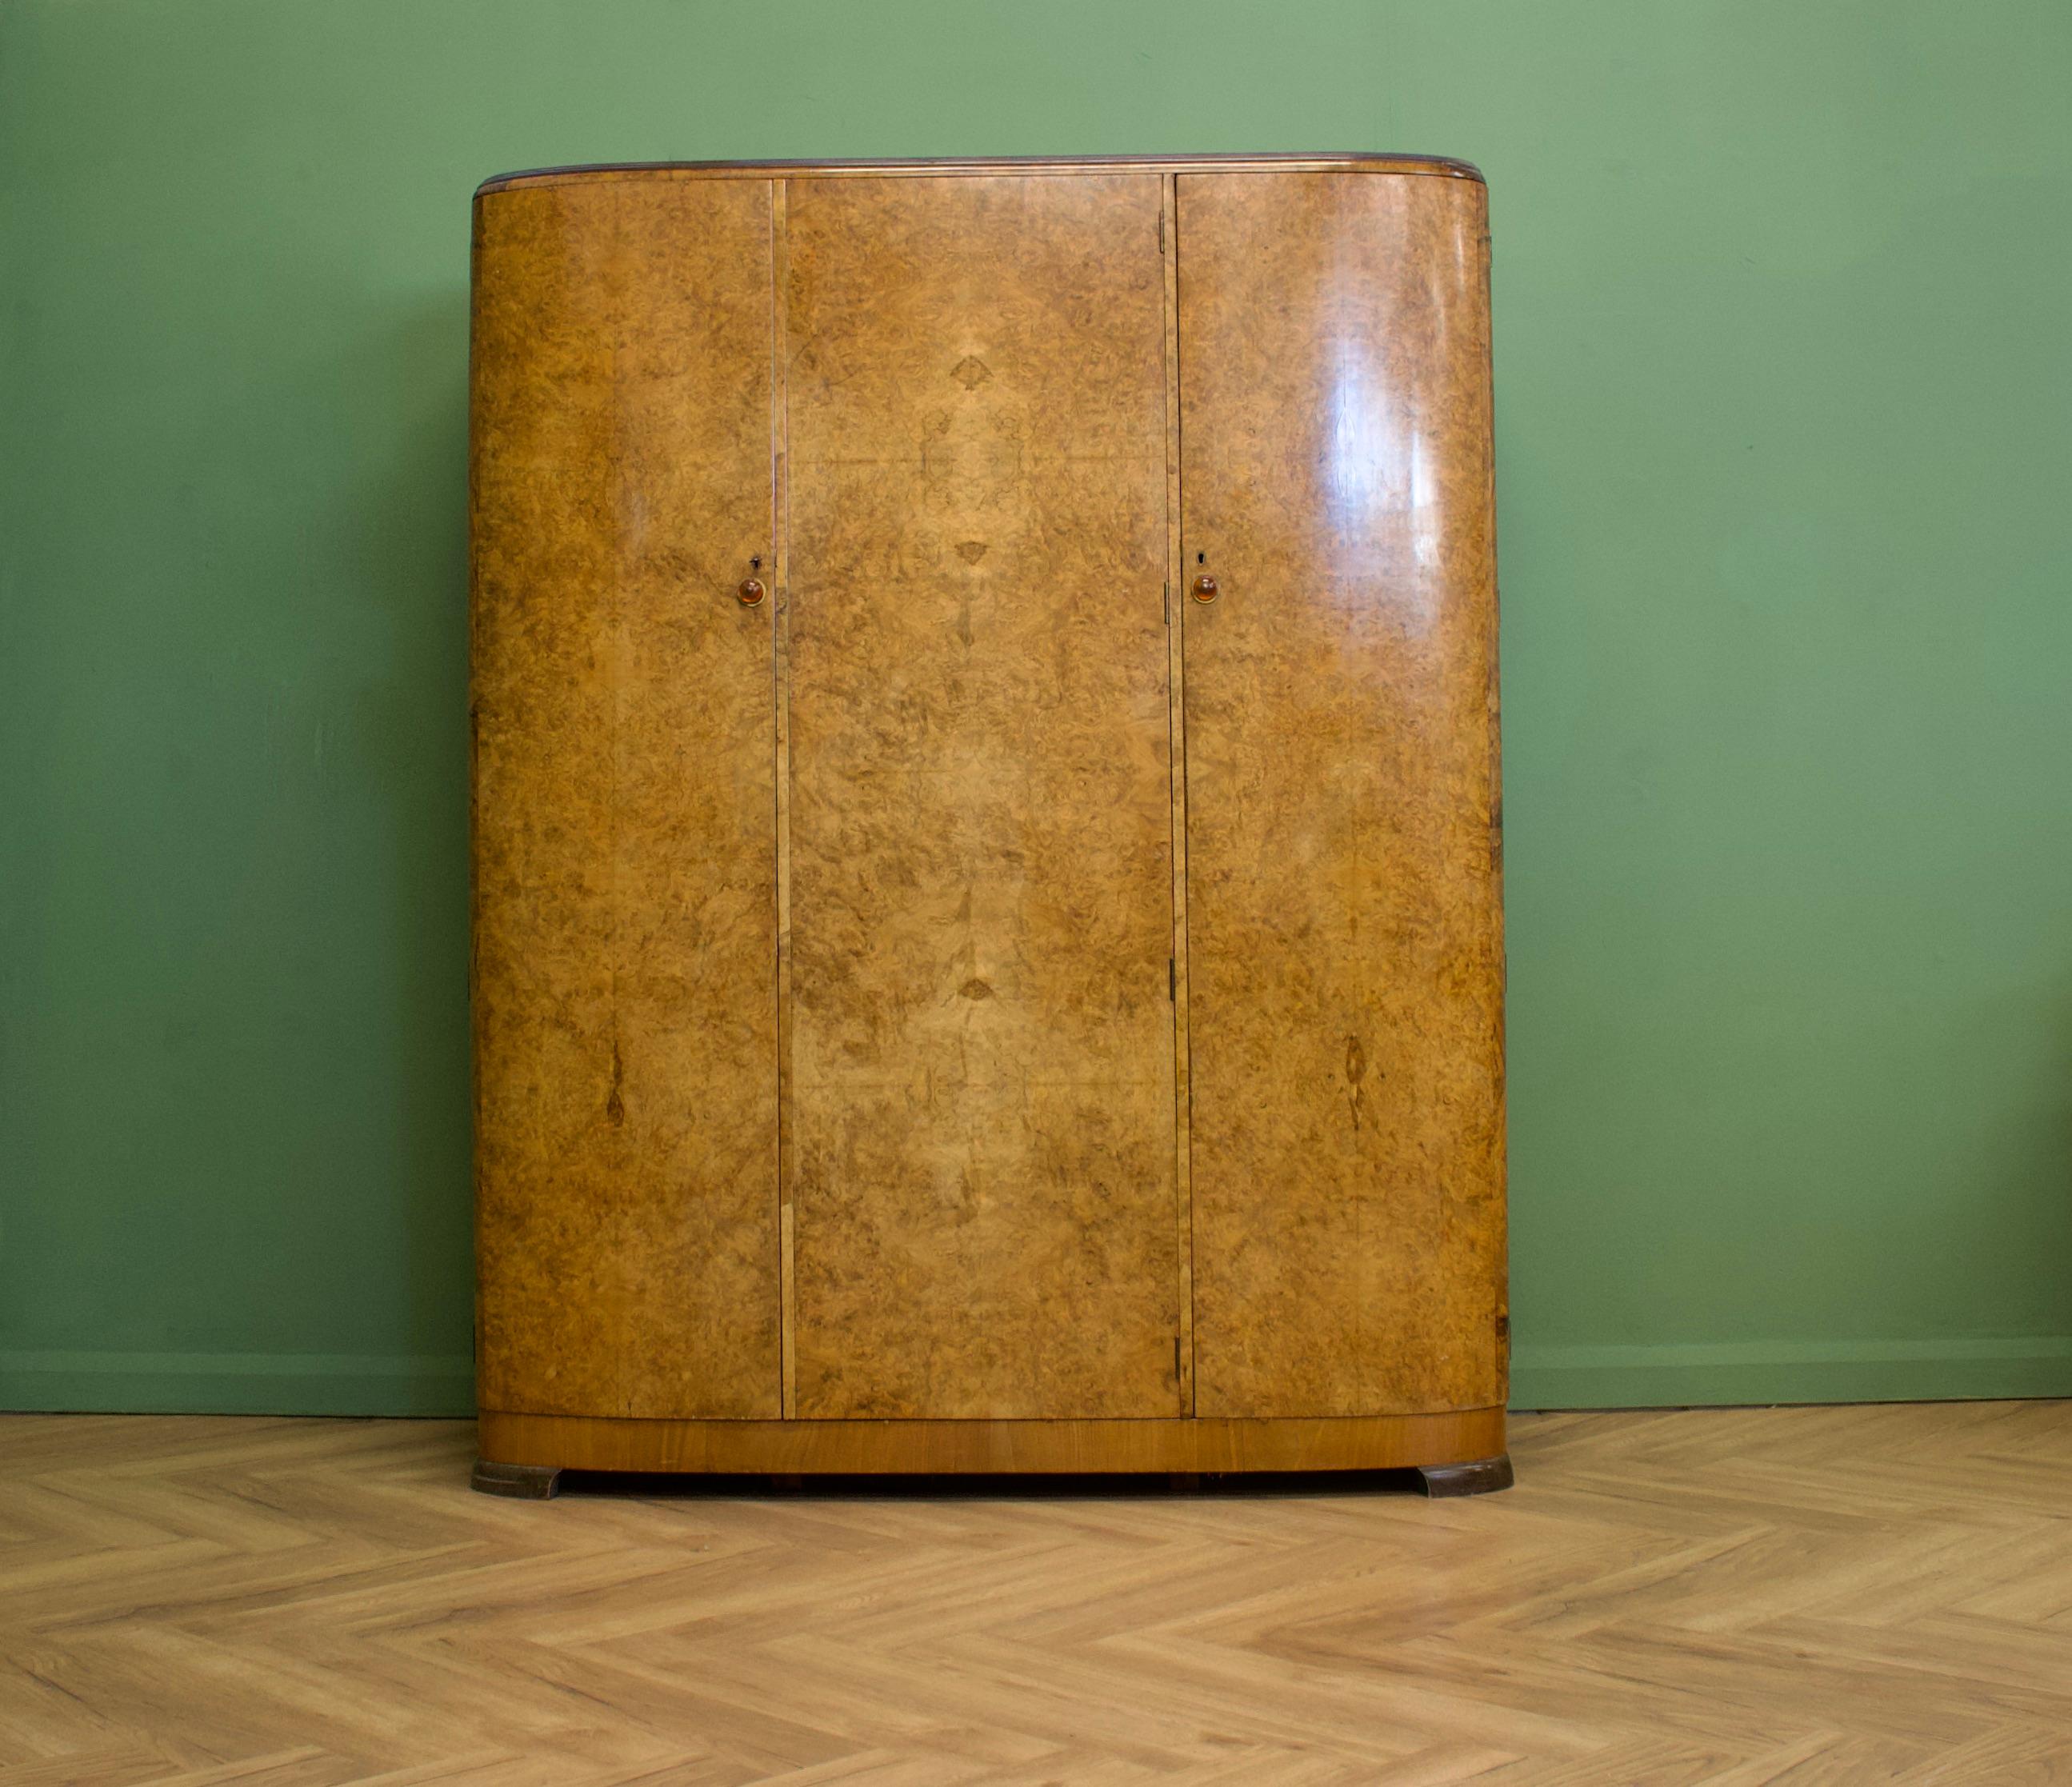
1344, 939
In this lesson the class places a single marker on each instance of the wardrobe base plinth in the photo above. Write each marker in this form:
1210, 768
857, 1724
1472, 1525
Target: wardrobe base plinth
1469, 1441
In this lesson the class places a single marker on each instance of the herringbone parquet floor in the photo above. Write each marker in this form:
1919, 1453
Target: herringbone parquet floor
1874, 1594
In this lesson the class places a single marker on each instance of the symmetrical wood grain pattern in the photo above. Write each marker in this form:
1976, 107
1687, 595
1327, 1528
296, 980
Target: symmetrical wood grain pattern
981, 882
1043, 1447
1736, 1597
625, 937
1344, 947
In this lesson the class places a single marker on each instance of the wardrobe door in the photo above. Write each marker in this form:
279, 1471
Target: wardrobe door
625, 968
1344, 943
982, 1126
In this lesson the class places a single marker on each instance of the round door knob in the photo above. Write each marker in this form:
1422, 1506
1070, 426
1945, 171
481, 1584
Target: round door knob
1205, 588
751, 593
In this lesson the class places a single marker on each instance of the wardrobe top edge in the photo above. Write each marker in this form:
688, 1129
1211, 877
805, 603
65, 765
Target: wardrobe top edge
1445, 167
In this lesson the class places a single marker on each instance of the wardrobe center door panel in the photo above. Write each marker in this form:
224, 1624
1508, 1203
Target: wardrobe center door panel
982, 1125
1344, 941
625, 968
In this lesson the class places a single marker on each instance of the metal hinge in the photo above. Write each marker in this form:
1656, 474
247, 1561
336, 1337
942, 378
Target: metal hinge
1162, 233
1165, 604
1172, 978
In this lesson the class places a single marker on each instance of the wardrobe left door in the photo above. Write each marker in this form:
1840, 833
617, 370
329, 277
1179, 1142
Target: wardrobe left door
625, 928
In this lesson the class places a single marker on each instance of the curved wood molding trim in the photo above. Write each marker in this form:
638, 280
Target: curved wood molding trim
1443, 167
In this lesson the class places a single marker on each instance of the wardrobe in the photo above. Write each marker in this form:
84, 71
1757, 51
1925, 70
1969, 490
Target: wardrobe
987, 921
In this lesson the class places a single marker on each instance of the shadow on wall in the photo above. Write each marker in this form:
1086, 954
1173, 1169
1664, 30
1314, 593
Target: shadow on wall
408, 556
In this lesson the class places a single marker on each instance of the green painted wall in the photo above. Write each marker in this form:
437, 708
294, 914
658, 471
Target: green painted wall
1785, 392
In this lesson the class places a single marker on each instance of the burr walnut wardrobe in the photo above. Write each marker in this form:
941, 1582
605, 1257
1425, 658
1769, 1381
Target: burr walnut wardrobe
987, 921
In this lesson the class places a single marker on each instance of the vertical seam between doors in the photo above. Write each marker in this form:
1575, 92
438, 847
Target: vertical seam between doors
1176, 604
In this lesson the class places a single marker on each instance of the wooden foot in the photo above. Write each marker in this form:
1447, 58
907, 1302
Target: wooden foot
786, 1483
532, 1482
1185, 1482
1477, 1478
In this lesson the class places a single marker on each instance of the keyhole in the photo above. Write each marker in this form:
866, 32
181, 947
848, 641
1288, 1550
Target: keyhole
1201, 558
755, 563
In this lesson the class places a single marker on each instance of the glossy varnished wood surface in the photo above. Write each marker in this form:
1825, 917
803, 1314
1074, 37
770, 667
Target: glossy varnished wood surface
1344, 927
1046, 1447
625, 939
980, 884
829, 1065
1735, 1597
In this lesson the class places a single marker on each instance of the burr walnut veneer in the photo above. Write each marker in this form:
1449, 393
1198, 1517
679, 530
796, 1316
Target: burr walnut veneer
988, 936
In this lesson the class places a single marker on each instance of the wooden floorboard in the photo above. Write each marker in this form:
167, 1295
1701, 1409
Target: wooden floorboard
1755, 1595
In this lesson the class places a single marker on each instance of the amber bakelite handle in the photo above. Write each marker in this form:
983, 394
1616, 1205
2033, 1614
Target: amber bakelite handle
750, 592
1204, 588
